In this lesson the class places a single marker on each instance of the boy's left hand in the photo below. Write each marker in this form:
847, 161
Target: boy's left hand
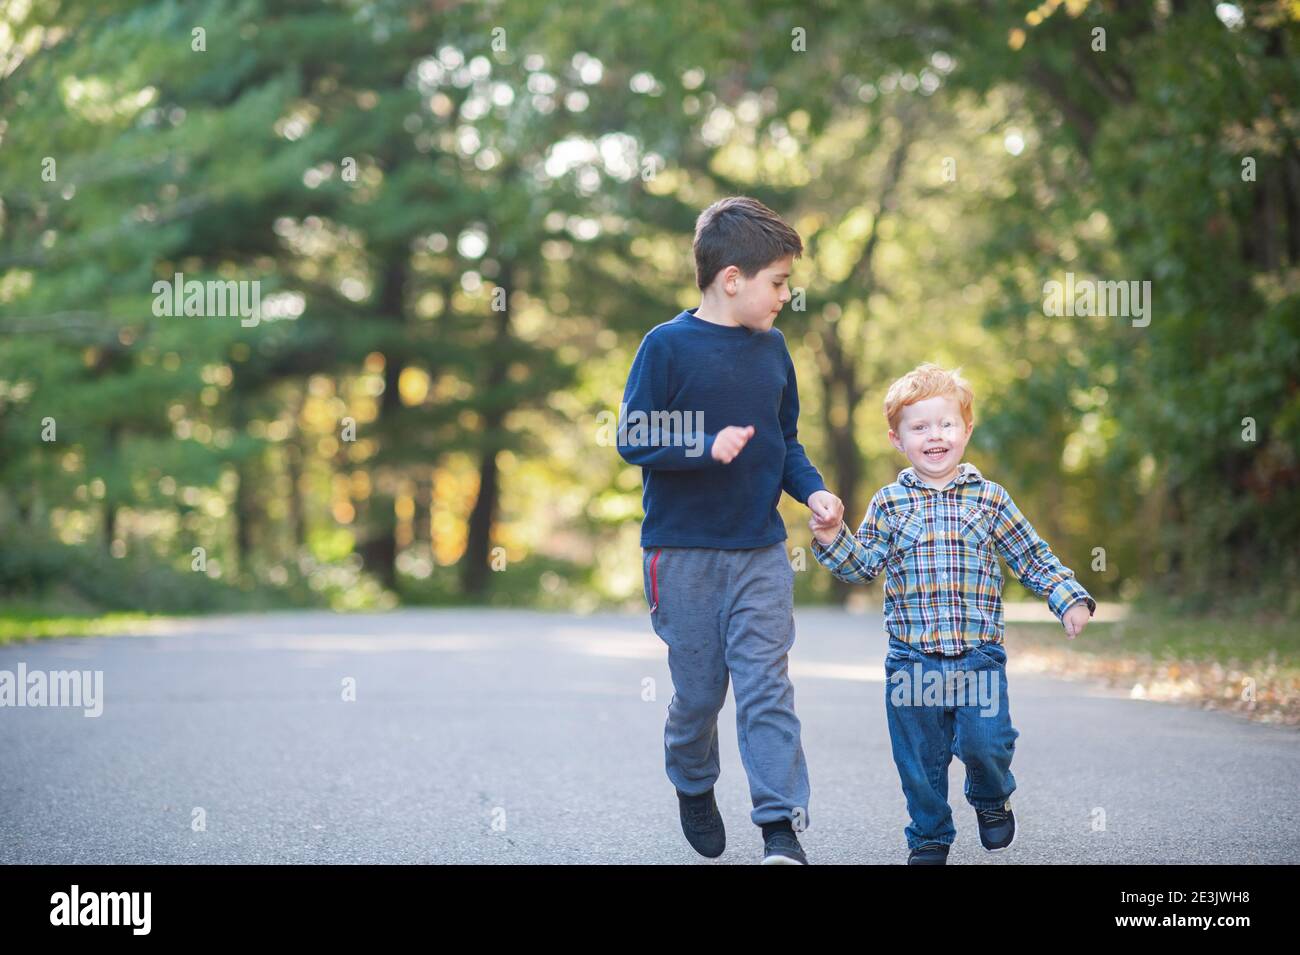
827, 508
1075, 619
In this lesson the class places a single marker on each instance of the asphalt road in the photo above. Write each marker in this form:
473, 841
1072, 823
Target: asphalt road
490, 736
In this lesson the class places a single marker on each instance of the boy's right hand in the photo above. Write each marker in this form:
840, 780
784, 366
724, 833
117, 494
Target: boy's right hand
824, 532
730, 441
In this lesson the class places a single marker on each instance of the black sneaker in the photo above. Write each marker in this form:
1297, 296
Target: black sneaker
929, 853
997, 827
702, 823
781, 845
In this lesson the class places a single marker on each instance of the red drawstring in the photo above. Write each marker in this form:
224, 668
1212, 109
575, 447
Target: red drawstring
654, 581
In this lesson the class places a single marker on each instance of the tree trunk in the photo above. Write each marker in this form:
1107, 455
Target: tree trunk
474, 566
297, 519
111, 506
380, 551
839, 389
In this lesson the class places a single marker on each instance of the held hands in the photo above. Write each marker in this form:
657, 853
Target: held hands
730, 442
827, 515
1075, 619
823, 532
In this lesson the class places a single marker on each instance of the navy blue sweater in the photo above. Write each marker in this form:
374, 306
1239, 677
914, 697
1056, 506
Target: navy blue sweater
708, 377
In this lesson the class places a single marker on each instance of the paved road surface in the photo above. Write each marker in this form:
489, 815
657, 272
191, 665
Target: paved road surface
522, 737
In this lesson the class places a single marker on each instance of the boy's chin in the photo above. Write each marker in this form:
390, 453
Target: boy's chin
761, 324
926, 466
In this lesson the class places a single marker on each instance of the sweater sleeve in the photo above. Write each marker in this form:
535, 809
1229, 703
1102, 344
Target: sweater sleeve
649, 434
800, 479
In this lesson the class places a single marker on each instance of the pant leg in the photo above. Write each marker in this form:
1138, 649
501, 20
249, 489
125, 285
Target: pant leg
686, 617
985, 740
921, 737
759, 632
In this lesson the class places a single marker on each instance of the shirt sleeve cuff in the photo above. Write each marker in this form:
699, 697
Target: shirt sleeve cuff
831, 557
1066, 594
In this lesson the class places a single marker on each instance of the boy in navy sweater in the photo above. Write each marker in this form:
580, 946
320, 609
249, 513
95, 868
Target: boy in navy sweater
710, 414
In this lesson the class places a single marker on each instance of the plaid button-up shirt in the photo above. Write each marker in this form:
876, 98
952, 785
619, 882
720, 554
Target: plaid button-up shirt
939, 551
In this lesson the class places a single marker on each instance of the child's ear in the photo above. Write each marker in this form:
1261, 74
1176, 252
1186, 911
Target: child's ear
894, 440
731, 279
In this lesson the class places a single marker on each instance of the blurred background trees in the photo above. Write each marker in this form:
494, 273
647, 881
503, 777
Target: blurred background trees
463, 217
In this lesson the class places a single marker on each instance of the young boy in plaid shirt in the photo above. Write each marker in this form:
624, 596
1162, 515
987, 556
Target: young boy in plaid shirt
937, 533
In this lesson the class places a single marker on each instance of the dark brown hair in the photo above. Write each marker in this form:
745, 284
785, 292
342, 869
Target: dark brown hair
743, 232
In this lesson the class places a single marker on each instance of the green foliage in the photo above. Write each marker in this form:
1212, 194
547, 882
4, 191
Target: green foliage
559, 154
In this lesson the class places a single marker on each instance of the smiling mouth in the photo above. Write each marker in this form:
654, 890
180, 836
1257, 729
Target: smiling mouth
935, 453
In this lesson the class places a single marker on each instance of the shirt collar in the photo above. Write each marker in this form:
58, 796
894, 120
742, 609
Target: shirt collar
966, 473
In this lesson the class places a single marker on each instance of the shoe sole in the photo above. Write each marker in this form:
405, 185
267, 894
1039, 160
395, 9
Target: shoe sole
705, 854
1014, 833
781, 860
943, 861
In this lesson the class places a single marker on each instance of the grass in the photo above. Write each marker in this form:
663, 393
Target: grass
1247, 665
1211, 640
18, 624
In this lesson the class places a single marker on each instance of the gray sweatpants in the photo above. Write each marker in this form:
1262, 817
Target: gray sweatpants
730, 613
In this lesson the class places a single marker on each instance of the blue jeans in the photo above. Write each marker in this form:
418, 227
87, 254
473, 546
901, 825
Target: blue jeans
938, 707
